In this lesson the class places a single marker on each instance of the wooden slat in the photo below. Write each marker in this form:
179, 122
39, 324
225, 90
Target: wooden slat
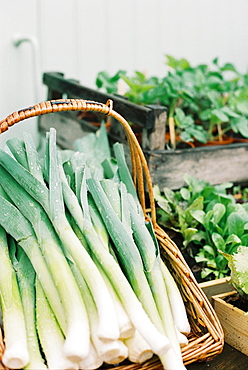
214, 164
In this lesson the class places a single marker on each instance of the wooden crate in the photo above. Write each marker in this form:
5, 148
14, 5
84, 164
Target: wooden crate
215, 164
234, 322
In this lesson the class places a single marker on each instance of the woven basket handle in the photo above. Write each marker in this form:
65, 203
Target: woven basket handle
140, 169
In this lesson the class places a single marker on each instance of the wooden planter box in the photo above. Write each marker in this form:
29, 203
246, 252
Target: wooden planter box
233, 320
215, 287
215, 164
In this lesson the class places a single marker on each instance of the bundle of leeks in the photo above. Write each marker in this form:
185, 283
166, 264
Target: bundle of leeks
82, 282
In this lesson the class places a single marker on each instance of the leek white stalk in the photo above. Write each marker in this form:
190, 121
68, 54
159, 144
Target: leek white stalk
26, 281
182, 339
122, 354
50, 335
16, 355
106, 349
92, 361
177, 305
139, 350
127, 329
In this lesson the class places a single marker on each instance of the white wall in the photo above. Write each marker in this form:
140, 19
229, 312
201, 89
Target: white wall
80, 38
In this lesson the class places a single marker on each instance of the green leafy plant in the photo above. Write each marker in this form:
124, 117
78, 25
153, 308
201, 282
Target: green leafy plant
238, 264
209, 220
107, 82
204, 102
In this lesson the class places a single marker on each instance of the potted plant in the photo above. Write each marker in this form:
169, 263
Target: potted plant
206, 105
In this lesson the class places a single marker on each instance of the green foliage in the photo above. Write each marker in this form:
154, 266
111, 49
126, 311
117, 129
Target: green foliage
206, 101
110, 84
209, 220
238, 263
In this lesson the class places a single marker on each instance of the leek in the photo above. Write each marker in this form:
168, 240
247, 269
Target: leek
21, 230
138, 349
127, 329
92, 361
152, 267
105, 349
109, 265
16, 355
77, 332
26, 280
50, 335
128, 254
176, 302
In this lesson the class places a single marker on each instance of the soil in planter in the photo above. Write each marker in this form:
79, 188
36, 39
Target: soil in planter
237, 302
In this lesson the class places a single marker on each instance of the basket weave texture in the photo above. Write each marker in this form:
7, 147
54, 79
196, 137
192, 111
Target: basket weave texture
206, 339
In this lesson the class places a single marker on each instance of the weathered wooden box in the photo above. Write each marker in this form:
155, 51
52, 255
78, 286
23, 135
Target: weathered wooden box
215, 164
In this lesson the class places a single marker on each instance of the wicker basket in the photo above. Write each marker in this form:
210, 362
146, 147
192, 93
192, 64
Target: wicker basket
206, 339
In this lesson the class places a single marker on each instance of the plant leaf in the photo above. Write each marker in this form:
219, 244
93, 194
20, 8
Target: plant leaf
198, 215
235, 224
218, 212
218, 241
